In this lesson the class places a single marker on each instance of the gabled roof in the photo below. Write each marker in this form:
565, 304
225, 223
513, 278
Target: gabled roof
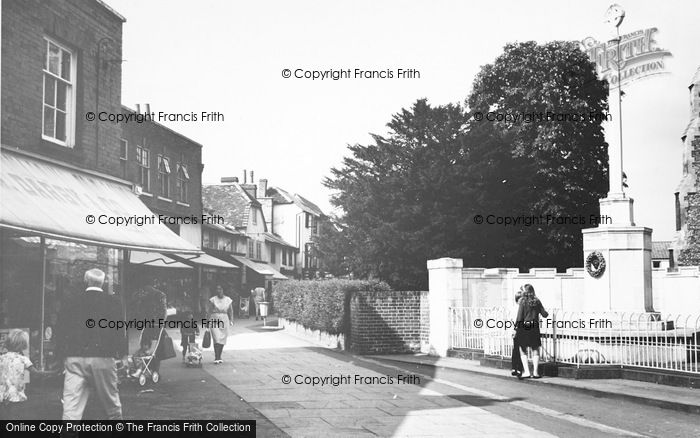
659, 250
277, 239
280, 196
307, 205
230, 201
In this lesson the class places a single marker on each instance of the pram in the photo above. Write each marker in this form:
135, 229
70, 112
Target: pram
139, 366
193, 358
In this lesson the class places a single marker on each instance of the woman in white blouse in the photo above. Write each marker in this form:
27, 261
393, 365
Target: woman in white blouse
221, 317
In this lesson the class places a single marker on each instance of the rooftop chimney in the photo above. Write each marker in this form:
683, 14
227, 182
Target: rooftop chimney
252, 181
229, 179
148, 108
262, 188
245, 176
138, 108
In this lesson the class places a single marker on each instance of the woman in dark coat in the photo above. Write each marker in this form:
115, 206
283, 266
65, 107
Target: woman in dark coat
516, 365
527, 330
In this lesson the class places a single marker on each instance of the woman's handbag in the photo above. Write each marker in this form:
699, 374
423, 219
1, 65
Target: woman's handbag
168, 350
206, 340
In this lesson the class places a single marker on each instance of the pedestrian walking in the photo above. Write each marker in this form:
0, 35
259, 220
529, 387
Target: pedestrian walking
258, 296
188, 333
220, 318
89, 351
527, 330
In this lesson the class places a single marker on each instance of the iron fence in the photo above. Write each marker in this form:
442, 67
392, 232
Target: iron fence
626, 339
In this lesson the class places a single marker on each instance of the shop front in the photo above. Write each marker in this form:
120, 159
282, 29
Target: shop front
56, 222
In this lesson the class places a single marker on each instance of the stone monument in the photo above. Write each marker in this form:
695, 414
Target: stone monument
617, 253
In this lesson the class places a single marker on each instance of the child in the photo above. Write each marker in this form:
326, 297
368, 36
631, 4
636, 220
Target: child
188, 332
12, 367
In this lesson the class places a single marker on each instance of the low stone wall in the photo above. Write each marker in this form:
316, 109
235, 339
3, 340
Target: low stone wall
389, 322
318, 337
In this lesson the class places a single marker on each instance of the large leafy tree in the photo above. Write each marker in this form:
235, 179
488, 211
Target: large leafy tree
413, 194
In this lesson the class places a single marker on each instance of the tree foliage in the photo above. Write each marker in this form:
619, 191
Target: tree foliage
413, 194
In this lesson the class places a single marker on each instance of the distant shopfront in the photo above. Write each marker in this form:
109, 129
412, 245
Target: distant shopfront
50, 234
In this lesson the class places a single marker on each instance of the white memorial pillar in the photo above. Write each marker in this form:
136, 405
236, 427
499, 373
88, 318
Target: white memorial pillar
617, 254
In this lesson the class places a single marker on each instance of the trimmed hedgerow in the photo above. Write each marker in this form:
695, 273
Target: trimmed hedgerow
320, 304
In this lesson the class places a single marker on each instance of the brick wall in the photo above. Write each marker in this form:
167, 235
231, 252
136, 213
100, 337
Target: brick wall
78, 25
388, 322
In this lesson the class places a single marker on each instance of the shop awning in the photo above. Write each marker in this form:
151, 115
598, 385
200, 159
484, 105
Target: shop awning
59, 201
207, 260
155, 259
260, 268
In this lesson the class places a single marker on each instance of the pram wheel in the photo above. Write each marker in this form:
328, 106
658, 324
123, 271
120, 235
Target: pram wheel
155, 377
142, 380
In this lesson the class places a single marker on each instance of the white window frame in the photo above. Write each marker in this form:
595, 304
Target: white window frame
70, 94
182, 178
140, 150
164, 181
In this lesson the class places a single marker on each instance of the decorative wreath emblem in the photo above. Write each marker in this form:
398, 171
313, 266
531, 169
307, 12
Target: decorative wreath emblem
595, 264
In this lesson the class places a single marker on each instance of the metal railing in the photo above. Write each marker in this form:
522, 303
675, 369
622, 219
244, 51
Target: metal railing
626, 339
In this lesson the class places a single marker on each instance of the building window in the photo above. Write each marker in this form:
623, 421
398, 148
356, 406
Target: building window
206, 239
284, 256
123, 149
251, 249
143, 158
656, 264
273, 256
164, 176
58, 116
258, 251
224, 244
181, 182
254, 213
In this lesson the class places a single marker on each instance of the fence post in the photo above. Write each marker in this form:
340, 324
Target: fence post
554, 336
445, 290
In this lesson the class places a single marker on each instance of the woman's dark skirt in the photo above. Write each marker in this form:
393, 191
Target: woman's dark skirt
528, 335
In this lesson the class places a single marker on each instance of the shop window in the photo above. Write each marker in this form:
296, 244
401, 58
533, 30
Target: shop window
164, 175
143, 158
58, 117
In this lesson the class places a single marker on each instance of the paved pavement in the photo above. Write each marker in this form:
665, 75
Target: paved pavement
430, 400
257, 361
330, 394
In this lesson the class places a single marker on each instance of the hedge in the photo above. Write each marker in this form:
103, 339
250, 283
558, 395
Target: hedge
320, 304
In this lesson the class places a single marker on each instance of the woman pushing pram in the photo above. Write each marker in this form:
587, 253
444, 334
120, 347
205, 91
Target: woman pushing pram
144, 364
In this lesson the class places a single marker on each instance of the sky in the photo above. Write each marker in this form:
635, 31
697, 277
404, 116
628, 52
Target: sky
228, 56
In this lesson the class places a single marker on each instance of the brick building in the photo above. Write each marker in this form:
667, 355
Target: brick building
60, 172
167, 168
60, 60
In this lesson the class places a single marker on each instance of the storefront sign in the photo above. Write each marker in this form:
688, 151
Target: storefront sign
639, 57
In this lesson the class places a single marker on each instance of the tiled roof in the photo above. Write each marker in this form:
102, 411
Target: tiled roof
229, 201
659, 250
276, 239
307, 205
280, 196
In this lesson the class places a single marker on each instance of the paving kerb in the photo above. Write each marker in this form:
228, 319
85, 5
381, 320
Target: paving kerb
683, 399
